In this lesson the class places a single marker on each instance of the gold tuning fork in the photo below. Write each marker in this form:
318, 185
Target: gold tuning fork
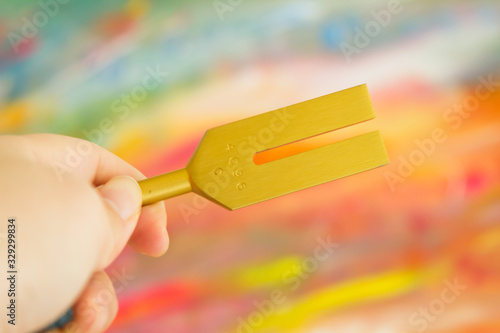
223, 169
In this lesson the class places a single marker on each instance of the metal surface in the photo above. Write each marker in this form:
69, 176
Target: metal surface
165, 186
223, 170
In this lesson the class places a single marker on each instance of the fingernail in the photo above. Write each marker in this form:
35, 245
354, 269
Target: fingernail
102, 319
124, 195
167, 240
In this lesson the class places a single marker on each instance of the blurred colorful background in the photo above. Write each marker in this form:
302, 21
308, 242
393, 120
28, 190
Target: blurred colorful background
410, 247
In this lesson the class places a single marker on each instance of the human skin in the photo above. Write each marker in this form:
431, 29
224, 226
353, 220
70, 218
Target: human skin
70, 226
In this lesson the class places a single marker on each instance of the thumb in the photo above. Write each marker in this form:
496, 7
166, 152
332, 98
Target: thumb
122, 199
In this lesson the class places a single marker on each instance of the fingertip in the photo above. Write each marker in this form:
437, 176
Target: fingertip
152, 246
151, 236
161, 246
97, 306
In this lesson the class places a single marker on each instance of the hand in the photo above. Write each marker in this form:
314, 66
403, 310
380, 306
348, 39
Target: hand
73, 221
